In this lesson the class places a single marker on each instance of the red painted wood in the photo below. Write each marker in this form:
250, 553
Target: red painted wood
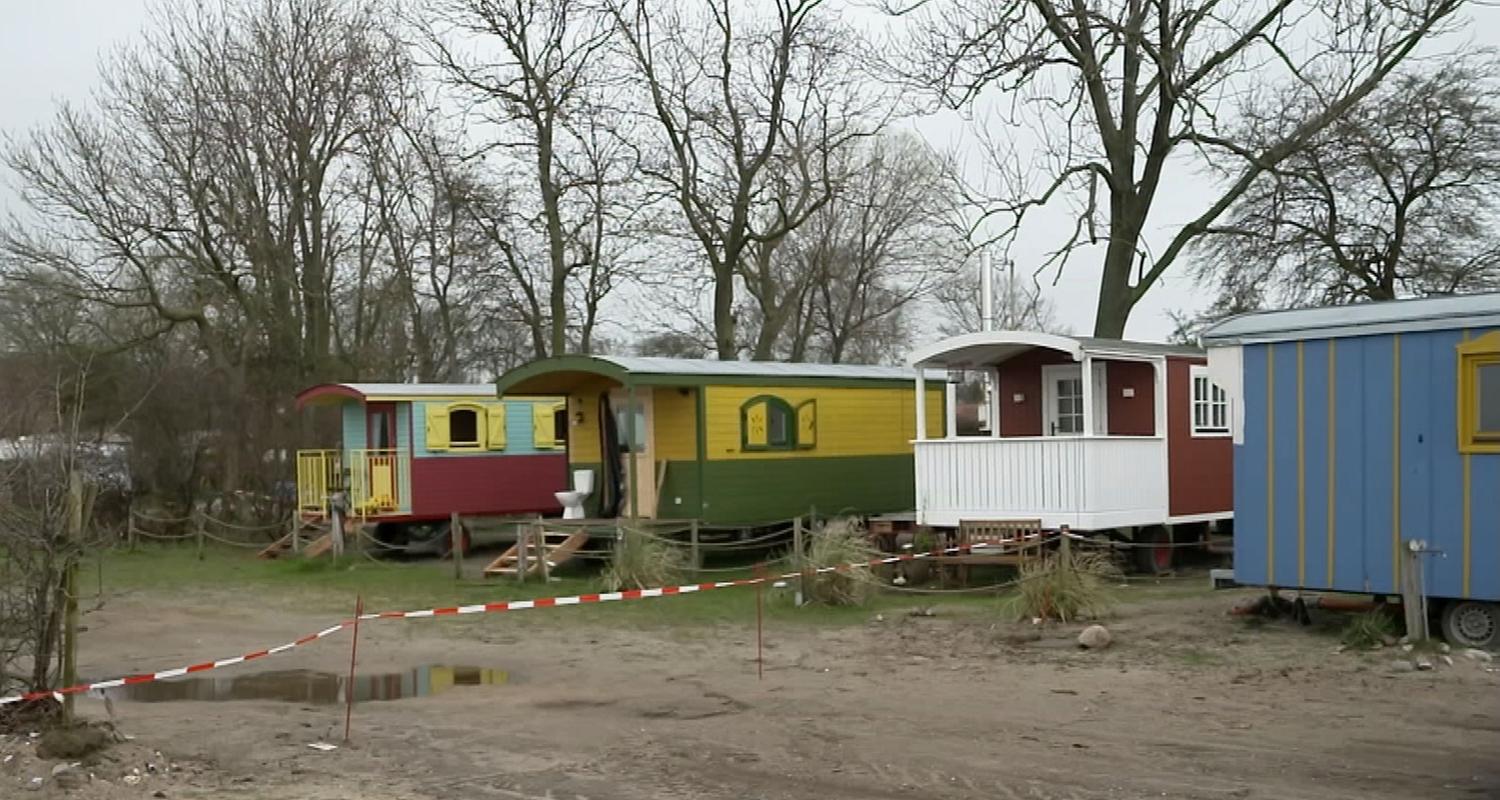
1023, 375
1200, 471
495, 484
1130, 416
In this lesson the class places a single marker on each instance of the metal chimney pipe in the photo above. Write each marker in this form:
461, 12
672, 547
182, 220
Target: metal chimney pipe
986, 291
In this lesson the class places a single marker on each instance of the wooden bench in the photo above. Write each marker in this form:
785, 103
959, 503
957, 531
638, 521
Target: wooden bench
992, 543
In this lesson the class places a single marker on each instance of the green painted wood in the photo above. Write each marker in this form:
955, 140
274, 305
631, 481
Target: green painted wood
748, 492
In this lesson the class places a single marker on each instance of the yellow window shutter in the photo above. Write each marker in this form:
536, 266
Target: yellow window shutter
437, 426
543, 427
494, 426
755, 425
807, 425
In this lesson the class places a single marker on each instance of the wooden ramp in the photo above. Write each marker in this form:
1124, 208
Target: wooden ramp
558, 547
317, 540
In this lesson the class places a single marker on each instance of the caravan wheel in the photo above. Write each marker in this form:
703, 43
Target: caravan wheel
1153, 550
1472, 623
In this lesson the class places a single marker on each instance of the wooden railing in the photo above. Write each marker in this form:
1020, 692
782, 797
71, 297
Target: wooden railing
377, 481
1083, 482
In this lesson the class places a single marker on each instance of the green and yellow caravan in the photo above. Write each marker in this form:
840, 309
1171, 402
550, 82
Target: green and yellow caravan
733, 443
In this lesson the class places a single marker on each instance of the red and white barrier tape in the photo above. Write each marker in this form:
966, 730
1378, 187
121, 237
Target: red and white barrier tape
491, 608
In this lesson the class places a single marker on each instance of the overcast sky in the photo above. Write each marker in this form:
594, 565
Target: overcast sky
49, 52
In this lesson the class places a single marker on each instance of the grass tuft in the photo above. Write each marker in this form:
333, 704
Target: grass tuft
839, 541
1067, 586
642, 560
1369, 629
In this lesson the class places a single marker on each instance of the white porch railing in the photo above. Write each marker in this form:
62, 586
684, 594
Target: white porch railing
1087, 483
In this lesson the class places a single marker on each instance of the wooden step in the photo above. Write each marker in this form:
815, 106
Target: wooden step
559, 548
316, 540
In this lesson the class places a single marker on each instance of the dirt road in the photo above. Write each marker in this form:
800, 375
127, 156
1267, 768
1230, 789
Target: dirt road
1188, 703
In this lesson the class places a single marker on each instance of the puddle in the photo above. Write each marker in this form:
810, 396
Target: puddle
311, 687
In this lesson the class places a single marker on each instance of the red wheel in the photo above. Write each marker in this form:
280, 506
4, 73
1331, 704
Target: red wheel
1153, 551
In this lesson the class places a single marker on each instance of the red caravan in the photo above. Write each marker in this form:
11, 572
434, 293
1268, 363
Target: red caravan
1128, 438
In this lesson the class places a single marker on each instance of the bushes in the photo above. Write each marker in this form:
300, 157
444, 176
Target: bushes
643, 560
840, 541
1067, 586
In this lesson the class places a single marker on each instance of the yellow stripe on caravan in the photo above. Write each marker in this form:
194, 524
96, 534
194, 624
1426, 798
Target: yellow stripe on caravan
1301, 476
1396, 462
1468, 510
1332, 455
1270, 464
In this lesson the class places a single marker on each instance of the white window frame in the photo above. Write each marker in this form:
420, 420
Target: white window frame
1216, 401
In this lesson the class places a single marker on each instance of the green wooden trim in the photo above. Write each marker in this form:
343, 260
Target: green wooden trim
771, 401
607, 369
630, 438
702, 433
797, 425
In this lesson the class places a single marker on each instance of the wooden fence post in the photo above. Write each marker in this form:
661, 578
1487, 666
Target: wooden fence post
695, 553
130, 530
798, 561
541, 552
523, 541
336, 530
70, 589
456, 545
199, 522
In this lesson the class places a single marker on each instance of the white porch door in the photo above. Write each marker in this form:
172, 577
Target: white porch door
1062, 400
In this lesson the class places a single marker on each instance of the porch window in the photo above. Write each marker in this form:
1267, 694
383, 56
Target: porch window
1479, 395
768, 423
1210, 405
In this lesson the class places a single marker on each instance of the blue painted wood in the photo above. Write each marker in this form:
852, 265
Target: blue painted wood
1349, 470
1250, 475
1365, 426
519, 436
354, 429
1284, 558
1315, 448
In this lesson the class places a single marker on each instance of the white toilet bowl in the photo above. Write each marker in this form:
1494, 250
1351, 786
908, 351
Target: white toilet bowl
572, 502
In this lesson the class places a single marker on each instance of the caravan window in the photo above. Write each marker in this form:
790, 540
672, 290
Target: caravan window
1210, 405
463, 427
1479, 395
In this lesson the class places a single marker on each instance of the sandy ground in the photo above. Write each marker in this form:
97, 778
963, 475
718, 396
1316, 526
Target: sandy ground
1188, 703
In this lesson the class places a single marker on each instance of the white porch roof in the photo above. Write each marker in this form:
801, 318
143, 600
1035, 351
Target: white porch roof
992, 347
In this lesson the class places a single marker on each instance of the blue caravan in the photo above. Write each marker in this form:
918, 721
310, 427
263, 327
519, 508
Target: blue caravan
1363, 434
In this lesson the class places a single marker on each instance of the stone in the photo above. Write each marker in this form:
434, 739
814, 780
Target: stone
1388, 640
1444, 648
1408, 647
1094, 637
1423, 664
1475, 654
1402, 665
58, 769
1447, 659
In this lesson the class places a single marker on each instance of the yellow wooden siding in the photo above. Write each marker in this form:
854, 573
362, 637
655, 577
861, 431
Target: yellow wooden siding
493, 435
676, 414
807, 425
850, 421
583, 436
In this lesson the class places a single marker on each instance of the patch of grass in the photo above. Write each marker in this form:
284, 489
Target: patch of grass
1368, 629
642, 560
1196, 657
840, 541
1067, 586
236, 576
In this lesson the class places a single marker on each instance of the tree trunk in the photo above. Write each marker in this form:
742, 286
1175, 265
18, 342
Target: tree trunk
724, 332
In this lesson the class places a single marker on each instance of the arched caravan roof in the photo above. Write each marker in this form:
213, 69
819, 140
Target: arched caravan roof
562, 374
1361, 319
386, 392
993, 347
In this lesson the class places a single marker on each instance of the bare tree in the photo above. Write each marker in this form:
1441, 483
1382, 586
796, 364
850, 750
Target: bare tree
204, 189
1119, 90
1018, 303
889, 236
1397, 198
538, 82
751, 112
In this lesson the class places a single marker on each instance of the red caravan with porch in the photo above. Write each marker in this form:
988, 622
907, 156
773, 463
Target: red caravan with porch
1094, 434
